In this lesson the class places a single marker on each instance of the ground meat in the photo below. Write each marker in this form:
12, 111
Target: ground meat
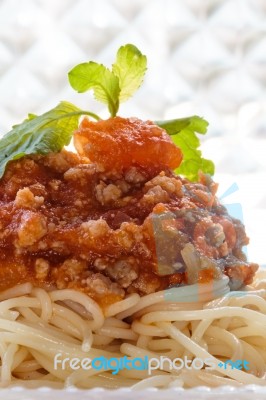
107, 193
170, 184
123, 271
81, 172
60, 162
54, 184
32, 228
156, 195
122, 185
125, 223
41, 269
26, 199
134, 175
96, 228
100, 285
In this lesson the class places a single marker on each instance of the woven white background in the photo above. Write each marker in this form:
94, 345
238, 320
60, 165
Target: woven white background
206, 57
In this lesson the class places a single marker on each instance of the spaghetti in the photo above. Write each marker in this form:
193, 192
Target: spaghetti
35, 325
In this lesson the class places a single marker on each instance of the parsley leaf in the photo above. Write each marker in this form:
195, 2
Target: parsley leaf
43, 134
111, 87
96, 76
130, 68
183, 134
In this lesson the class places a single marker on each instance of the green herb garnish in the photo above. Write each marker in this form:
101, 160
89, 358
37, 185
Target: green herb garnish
104, 83
130, 67
53, 130
43, 134
183, 133
111, 87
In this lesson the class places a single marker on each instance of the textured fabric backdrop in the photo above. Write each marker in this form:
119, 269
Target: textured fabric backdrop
206, 57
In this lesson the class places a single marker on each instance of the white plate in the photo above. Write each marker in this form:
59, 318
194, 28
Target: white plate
225, 392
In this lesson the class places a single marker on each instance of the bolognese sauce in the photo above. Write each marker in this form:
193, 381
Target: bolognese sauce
114, 218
